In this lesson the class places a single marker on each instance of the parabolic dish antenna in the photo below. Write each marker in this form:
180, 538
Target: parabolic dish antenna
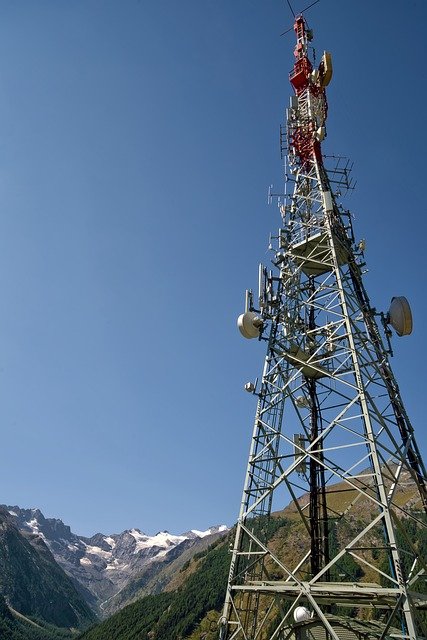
249, 324
400, 316
302, 614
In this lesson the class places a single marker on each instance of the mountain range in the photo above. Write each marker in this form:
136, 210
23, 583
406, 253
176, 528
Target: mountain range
109, 570
164, 586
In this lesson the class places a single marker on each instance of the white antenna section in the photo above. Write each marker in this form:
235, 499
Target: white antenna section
261, 285
248, 296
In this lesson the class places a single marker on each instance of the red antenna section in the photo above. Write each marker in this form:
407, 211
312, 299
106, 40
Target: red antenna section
309, 86
300, 75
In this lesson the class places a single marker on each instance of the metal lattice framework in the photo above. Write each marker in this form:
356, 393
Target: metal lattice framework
331, 436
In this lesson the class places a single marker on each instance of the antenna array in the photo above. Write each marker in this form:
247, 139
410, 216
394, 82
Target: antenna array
331, 437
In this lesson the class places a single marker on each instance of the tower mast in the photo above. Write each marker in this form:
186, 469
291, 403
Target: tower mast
331, 437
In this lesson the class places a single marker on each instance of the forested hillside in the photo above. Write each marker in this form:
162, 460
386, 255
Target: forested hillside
14, 626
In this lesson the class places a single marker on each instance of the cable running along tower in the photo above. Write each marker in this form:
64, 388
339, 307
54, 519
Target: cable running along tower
331, 437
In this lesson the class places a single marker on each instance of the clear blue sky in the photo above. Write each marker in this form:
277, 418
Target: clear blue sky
137, 143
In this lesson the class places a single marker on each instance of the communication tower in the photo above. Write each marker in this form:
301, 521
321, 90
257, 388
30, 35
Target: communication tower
331, 437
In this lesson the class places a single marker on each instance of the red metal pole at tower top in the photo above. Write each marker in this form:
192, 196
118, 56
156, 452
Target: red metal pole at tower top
309, 85
300, 74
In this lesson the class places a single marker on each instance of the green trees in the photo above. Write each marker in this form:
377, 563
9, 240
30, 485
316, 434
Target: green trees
13, 627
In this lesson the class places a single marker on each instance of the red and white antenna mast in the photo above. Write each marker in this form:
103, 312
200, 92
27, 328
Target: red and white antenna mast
309, 86
331, 441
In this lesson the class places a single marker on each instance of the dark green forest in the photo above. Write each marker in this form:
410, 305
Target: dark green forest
15, 628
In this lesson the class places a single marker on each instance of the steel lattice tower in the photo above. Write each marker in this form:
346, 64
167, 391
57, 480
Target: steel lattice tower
331, 437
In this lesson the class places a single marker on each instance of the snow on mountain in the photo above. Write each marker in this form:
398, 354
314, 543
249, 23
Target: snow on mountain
103, 564
162, 540
109, 540
202, 534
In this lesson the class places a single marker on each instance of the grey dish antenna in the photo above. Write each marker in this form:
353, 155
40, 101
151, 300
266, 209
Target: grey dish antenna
400, 316
250, 324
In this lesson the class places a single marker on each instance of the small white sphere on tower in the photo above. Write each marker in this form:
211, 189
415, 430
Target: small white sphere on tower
301, 614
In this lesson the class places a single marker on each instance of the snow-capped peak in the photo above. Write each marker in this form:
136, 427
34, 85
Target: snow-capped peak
163, 539
208, 532
196, 533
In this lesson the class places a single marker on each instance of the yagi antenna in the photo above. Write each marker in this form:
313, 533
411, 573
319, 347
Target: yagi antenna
310, 5
290, 7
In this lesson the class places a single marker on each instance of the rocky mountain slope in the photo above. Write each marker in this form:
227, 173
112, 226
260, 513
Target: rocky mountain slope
103, 566
32, 583
164, 575
191, 607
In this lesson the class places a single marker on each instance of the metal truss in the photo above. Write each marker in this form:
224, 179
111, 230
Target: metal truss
331, 437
